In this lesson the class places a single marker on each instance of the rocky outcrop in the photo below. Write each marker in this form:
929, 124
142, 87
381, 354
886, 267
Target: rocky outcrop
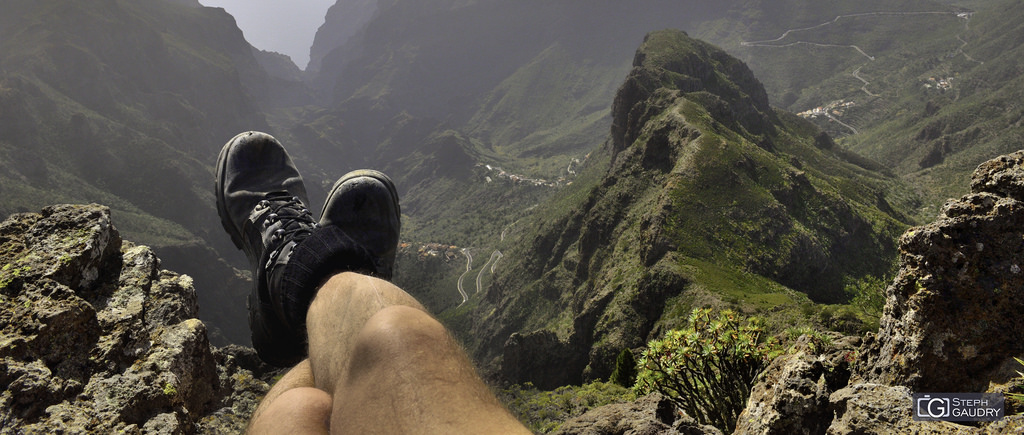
96, 338
542, 357
874, 408
952, 317
724, 84
792, 396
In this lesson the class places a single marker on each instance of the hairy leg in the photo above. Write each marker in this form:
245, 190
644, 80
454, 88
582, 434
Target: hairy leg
345, 303
293, 406
391, 367
340, 310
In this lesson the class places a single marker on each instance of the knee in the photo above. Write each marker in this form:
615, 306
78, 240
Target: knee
399, 334
400, 327
343, 289
339, 285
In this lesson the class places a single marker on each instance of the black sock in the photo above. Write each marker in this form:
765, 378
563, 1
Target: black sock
327, 251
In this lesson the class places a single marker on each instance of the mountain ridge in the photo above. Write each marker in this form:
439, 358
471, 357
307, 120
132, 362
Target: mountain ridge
649, 226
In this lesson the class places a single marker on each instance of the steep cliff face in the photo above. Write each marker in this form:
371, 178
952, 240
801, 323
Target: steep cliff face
96, 338
703, 194
343, 21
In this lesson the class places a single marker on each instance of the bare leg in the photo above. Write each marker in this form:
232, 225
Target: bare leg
340, 310
392, 368
293, 406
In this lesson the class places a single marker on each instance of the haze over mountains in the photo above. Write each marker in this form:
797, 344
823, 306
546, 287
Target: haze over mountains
126, 104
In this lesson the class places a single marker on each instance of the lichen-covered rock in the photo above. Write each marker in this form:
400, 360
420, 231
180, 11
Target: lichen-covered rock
96, 338
952, 316
882, 409
653, 414
866, 408
792, 394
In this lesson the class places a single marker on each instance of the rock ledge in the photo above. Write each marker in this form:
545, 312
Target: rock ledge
96, 338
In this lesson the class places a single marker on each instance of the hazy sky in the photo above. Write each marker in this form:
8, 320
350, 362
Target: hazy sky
284, 26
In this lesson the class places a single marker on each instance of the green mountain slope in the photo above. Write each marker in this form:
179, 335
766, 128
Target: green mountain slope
929, 91
524, 87
703, 195
130, 98
127, 103
937, 136
529, 84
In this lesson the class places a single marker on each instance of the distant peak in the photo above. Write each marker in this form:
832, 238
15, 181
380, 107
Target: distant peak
671, 60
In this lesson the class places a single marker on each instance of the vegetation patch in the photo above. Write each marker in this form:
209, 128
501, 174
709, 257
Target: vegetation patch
9, 274
709, 367
545, 411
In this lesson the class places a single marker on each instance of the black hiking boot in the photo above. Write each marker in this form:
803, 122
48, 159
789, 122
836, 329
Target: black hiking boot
364, 204
262, 204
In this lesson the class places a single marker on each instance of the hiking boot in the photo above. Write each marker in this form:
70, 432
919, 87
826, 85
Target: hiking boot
262, 204
364, 204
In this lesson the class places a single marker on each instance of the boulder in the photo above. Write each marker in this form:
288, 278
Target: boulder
952, 319
96, 338
866, 408
791, 395
876, 409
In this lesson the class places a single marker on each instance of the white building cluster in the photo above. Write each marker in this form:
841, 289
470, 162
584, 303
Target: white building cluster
942, 84
835, 108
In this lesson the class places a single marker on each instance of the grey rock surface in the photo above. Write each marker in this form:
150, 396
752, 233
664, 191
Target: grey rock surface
952, 316
792, 394
96, 338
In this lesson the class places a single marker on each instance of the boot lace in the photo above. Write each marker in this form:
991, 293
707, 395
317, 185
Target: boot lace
296, 220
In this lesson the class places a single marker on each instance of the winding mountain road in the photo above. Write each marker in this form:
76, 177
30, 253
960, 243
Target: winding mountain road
816, 44
856, 75
494, 265
774, 43
767, 42
469, 266
505, 231
829, 115
492, 261
479, 276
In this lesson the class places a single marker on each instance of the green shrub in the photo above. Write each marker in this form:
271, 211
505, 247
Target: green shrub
868, 295
818, 342
1015, 401
846, 319
545, 411
708, 368
625, 369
